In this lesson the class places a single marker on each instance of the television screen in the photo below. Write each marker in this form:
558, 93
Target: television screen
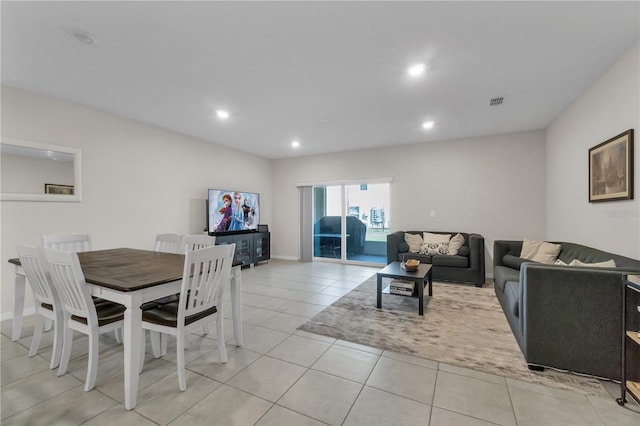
231, 211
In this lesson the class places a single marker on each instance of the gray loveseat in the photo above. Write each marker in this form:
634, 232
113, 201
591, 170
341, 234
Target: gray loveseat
465, 267
565, 317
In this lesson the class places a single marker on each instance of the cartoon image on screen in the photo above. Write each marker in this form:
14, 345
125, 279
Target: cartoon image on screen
233, 211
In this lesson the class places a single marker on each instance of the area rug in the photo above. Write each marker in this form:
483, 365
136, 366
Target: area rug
462, 325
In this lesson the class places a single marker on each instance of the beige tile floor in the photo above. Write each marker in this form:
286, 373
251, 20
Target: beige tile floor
282, 376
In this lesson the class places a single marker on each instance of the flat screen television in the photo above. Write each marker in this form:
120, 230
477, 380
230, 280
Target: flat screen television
232, 211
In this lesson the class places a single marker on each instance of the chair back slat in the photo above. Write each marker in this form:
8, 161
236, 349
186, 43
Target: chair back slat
68, 280
206, 272
67, 242
169, 243
36, 271
197, 242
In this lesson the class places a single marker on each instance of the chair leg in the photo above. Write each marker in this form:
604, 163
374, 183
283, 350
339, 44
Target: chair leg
66, 349
156, 343
48, 324
94, 354
182, 379
118, 334
92, 367
221, 344
142, 352
58, 336
205, 329
37, 334
164, 339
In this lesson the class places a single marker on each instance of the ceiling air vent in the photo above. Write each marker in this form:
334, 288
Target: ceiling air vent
496, 101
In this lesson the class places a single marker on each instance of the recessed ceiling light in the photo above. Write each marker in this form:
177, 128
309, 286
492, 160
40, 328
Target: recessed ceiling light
416, 70
428, 124
295, 144
85, 38
222, 114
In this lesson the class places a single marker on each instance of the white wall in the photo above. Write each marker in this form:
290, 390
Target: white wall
609, 107
138, 180
492, 185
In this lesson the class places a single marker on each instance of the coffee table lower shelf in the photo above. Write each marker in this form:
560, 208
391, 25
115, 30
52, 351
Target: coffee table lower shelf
421, 277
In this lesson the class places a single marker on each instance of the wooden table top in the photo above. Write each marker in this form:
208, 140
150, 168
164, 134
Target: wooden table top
127, 269
395, 270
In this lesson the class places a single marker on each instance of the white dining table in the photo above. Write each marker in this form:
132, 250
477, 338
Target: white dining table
132, 277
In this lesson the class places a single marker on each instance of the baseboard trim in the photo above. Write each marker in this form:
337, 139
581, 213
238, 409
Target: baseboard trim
9, 315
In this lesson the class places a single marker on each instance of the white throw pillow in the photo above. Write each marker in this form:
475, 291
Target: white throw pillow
529, 248
560, 263
606, 264
414, 241
455, 243
435, 238
547, 253
540, 251
434, 248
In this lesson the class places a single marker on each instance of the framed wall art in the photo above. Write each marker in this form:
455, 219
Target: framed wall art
52, 188
611, 169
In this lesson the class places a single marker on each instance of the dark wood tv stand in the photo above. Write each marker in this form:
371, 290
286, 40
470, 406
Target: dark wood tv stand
251, 247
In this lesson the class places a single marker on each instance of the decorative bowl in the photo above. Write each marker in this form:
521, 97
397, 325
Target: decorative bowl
411, 265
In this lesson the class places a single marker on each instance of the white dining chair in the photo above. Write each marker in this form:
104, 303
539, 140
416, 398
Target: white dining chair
169, 243
80, 312
206, 272
67, 242
47, 302
196, 242
72, 243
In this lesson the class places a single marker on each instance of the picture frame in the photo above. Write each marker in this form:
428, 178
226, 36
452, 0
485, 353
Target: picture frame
54, 188
611, 169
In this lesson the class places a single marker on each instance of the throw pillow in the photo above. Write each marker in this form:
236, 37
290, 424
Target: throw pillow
414, 241
464, 251
455, 243
540, 251
403, 247
529, 248
606, 264
560, 263
434, 248
547, 253
435, 238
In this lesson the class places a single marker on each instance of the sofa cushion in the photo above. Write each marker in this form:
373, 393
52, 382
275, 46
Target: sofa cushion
428, 237
513, 261
403, 247
529, 248
540, 251
434, 248
606, 264
448, 260
414, 241
455, 243
423, 258
512, 294
502, 274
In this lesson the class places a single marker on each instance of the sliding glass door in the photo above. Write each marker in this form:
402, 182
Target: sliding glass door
351, 222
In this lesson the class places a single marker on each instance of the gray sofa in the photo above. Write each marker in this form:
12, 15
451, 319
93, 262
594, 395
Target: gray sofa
465, 267
565, 317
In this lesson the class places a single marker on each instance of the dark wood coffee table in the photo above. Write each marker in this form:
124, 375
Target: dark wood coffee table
421, 277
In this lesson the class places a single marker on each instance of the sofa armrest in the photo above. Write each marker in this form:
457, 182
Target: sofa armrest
476, 253
504, 247
393, 240
570, 318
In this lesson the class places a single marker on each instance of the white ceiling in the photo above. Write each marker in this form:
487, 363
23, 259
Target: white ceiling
330, 74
